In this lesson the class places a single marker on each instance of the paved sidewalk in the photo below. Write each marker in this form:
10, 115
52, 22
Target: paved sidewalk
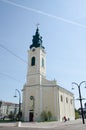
55, 124
7, 124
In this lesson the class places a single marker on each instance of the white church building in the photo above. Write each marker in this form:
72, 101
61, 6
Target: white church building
43, 97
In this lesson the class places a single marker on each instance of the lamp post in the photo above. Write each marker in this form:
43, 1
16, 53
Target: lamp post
19, 112
80, 98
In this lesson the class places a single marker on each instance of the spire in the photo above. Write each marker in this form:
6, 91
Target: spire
37, 40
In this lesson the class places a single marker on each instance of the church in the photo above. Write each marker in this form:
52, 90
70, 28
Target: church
43, 99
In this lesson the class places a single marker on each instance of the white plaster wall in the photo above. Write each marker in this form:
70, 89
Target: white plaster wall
66, 108
34, 72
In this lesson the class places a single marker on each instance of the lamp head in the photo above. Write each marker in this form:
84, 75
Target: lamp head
15, 96
72, 88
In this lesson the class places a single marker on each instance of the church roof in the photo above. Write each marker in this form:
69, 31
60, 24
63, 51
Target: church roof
37, 40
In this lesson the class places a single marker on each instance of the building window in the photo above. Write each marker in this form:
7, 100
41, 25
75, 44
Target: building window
33, 61
71, 101
61, 98
42, 62
33, 49
66, 100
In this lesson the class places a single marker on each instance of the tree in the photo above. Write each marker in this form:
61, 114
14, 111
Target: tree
11, 116
49, 115
77, 114
19, 115
46, 116
0, 106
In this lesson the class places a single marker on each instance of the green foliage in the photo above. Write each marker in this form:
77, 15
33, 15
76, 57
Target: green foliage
19, 116
15, 117
46, 116
11, 116
77, 114
0, 104
49, 115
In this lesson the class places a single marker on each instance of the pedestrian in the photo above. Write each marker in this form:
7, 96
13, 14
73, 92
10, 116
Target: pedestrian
65, 119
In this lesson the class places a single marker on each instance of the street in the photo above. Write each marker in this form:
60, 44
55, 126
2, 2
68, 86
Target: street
18, 128
69, 125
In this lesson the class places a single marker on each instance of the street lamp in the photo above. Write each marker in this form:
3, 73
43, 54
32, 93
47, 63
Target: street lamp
19, 112
80, 98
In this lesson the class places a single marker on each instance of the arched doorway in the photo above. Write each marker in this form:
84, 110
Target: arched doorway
31, 115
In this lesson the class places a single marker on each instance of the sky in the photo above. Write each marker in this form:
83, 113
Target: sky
62, 25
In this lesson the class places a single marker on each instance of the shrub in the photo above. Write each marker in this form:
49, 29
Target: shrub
11, 116
49, 115
77, 114
46, 116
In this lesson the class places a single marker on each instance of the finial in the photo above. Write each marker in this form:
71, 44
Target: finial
37, 25
37, 39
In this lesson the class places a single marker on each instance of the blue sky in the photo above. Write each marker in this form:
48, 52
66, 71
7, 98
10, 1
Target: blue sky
63, 28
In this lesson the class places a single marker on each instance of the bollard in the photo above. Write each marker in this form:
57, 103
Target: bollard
18, 124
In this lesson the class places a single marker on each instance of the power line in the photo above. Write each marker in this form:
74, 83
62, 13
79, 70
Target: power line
12, 53
9, 76
44, 14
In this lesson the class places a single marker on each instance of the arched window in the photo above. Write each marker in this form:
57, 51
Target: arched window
33, 61
42, 62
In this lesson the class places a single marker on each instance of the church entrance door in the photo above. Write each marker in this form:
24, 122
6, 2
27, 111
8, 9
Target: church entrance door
31, 116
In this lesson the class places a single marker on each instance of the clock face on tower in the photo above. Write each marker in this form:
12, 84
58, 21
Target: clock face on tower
33, 49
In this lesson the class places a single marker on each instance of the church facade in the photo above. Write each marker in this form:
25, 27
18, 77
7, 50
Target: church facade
41, 96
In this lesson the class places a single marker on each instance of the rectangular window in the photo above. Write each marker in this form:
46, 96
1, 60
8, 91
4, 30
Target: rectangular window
66, 100
71, 101
33, 61
42, 62
61, 98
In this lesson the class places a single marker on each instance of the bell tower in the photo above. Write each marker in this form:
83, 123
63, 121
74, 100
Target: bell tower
36, 61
